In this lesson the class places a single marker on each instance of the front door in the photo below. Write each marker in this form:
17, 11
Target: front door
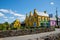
34, 24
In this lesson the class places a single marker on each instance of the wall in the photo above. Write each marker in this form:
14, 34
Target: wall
52, 23
41, 36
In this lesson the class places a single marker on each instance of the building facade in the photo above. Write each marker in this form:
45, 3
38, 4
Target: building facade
53, 21
59, 21
37, 19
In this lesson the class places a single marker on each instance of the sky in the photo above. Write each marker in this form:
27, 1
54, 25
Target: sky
11, 10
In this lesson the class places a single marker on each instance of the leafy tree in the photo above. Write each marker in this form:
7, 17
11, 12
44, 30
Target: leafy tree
6, 25
1, 27
16, 24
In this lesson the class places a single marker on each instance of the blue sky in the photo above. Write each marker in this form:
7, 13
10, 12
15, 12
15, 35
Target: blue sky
17, 9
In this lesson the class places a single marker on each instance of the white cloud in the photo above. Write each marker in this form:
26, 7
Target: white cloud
1, 14
10, 12
18, 15
52, 3
5, 19
15, 14
11, 17
21, 17
4, 10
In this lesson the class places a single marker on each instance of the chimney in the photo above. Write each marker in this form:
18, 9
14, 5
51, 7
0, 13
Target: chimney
35, 10
44, 11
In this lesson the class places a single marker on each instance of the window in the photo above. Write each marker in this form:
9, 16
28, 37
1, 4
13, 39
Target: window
46, 19
39, 19
42, 18
34, 24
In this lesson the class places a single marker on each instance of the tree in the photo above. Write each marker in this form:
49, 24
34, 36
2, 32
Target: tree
1, 27
16, 24
6, 25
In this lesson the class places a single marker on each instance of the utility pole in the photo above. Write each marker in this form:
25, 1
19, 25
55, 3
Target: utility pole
56, 17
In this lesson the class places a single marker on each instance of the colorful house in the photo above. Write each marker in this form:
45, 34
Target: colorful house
59, 21
53, 21
37, 19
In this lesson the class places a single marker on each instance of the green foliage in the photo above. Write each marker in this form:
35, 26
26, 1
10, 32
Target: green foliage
6, 23
4, 26
22, 27
1, 27
17, 28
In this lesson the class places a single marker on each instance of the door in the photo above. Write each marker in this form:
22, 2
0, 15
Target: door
34, 24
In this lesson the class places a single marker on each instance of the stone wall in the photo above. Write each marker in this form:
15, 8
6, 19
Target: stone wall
54, 35
10, 33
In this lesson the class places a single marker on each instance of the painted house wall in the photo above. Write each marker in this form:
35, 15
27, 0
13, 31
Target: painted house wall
59, 23
52, 23
37, 19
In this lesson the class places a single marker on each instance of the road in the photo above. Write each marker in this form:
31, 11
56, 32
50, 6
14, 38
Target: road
57, 29
32, 37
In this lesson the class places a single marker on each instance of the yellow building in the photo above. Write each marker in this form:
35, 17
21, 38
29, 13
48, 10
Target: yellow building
37, 19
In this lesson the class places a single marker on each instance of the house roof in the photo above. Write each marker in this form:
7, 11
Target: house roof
42, 14
53, 18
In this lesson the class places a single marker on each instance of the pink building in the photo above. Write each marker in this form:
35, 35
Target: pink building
52, 21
